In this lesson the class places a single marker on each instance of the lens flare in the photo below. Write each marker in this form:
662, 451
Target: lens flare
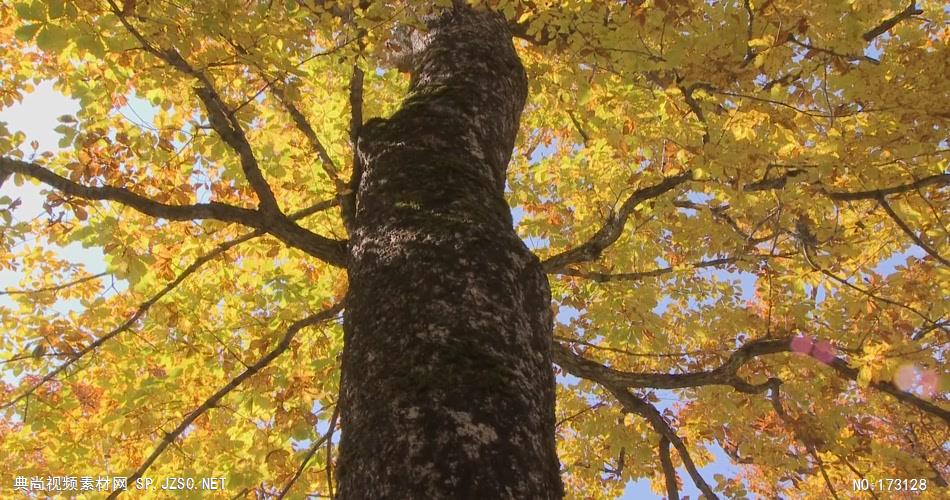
802, 344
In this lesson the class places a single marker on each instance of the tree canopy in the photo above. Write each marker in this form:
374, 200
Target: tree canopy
741, 206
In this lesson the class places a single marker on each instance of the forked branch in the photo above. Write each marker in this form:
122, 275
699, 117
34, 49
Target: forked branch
634, 404
222, 118
326, 439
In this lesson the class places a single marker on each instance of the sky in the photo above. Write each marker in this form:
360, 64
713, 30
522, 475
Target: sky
36, 117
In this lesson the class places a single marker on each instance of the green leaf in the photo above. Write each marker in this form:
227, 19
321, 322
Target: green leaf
31, 11
92, 43
26, 32
56, 8
52, 39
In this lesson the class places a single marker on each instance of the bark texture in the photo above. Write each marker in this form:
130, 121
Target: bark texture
448, 388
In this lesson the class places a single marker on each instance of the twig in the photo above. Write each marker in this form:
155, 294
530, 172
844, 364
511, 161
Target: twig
145, 306
55, 288
310, 453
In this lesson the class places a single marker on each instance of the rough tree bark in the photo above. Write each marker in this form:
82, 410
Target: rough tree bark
447, 386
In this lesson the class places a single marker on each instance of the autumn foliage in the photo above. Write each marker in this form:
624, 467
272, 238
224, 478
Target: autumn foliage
742, 207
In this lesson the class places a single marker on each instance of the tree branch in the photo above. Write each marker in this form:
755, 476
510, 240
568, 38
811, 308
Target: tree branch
329, 445
283, 228
669, 472
613, 227
356, 125
55, 288
695, 107
725, 374
775, 398
890, 22
145, 306
634, 404
222, 119
147, 206
639, 275
212, 401
139, 312
719, 212
773, 183
849, 57
874, 194
311, 452
311, 135
910, 232
846, 371
931, 323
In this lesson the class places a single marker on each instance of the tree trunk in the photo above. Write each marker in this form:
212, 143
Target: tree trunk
447, 385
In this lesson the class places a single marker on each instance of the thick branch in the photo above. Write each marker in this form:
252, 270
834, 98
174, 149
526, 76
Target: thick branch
331, 251
285, 229
890, 22
725, 374
635, 276
212, 210
669, 472
213, 400
613, 227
